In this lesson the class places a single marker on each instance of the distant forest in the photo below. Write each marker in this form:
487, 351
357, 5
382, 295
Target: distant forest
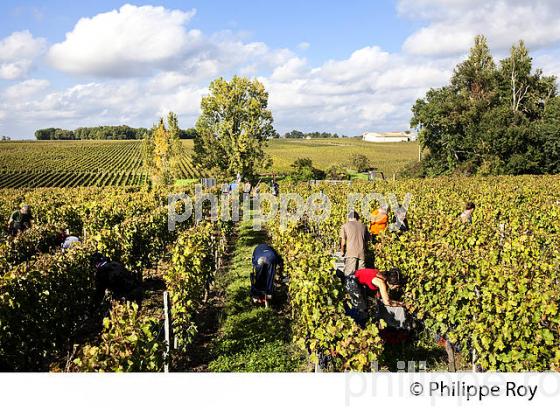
299, 134
107, 132
124, 132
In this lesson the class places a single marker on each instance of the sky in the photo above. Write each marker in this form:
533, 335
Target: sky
344, 67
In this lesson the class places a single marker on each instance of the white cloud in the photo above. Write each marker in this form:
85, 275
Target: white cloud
167, 81
25, 89
20, 45
372, 89
134, 102
17, 52
376, 111
176, 66
360, 63
129, 41
549, 62
141, 41
453, 24
411, 75
13, 71
293, 68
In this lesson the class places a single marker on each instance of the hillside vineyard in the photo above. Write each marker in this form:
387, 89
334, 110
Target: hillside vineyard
76, 164
42, 164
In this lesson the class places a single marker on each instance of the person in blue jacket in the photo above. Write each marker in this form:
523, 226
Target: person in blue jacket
266, 263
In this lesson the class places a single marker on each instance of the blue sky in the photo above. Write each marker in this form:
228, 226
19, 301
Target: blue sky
343, 67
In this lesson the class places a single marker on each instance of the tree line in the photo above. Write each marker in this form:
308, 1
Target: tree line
492, 118
299, 134
106, 132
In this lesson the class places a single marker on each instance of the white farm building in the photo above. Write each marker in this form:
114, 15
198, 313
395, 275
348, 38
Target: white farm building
388, 136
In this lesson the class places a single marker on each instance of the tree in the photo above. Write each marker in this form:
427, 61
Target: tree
360, 162
303, 170
316, 134
490, 119
162, 151
474, 78
44, 134
104, 132
233, 127
294, 134
337, 172
549, 130
188, 134
60, 134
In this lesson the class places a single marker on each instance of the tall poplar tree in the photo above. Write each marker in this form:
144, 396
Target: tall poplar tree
233, 128
163, 151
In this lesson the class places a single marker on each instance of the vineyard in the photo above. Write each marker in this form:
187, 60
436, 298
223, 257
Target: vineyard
77, 164
49, 314
389, 158
491, 288
119, 163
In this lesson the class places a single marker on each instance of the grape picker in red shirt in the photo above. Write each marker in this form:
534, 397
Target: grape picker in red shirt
382, 281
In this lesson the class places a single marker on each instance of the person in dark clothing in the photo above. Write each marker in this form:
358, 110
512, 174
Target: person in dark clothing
400, 223
67, 240
20, 220
113, 276
266, 262
275, 188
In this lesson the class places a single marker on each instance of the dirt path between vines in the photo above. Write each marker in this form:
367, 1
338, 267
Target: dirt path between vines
234, 334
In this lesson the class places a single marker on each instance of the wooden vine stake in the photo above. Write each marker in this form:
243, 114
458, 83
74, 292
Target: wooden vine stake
318, 368
474, 367
450, 349
166, 331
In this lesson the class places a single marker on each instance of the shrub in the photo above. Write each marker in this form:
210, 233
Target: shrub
336, 172
412, 170
360, 162
303, 170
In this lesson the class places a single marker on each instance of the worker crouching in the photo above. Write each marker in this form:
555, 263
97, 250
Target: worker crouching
266, 264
